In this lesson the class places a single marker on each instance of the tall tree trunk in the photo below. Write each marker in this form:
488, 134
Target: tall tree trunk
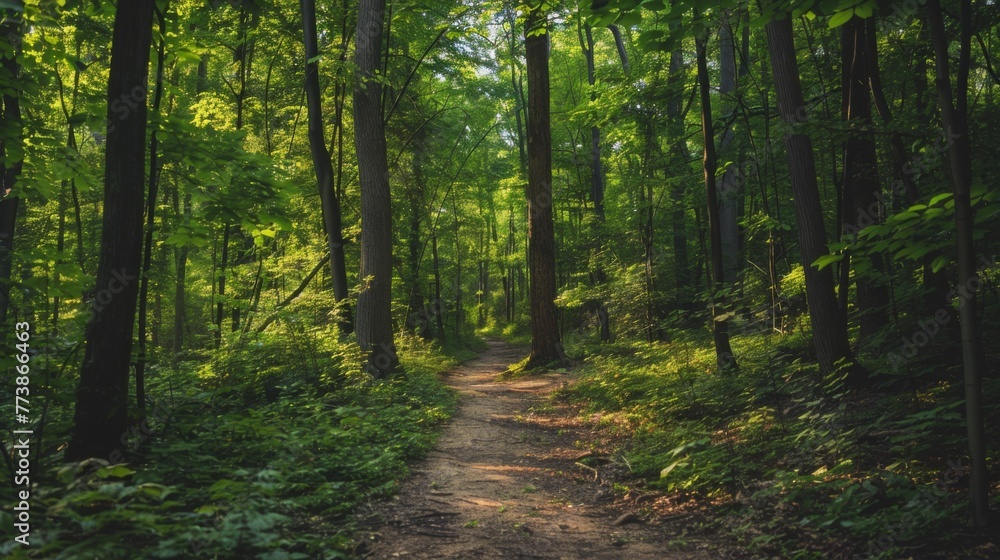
10, 145
181, 253
546, 346
955, 122
323, 165
67, 184
417, 317
860, 181
180, 273
675, 127
220, 305
245, 50
829, 328
596, 180
728, 184
438, 311
720, 324
459, 311
374, 322
147, 251
101, 416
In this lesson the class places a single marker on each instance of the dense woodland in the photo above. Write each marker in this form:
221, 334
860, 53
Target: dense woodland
240, 239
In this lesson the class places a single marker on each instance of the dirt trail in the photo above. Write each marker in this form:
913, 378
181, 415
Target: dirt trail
504, 483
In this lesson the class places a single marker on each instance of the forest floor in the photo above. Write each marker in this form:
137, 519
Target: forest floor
508, 481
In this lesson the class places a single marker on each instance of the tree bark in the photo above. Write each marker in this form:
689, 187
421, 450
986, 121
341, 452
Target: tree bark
374, 321
597, 174
220, 305
675, 127
829, 328
546, 346
955, 123
728, 184
101, 416
10, 148
147, 250
438, 311
323, 165
720, 325
860, 180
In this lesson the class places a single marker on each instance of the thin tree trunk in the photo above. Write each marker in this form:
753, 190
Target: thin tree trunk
728, 184
147, 258
67, 184
438, 312
181, 253
954, 120
459, 312
220, 306
180, 271
323, 166
416, 314
295, 293
597, 177
720, 324
675, 127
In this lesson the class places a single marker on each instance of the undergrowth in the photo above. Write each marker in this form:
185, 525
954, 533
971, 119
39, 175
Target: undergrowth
802, 467
261, 452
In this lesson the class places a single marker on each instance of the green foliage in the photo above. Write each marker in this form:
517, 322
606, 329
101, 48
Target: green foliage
267, 463
796, 457
919, 230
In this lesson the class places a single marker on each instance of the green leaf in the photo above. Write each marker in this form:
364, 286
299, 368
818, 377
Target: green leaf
675, 464
117, 471
938, 198
827, 260
840, 18
938, 263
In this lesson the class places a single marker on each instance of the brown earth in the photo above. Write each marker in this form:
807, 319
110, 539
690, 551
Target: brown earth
507, 482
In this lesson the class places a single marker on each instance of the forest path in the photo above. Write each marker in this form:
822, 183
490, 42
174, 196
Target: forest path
504, 483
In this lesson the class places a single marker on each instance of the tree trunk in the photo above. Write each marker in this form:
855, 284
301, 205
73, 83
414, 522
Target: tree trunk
180, 273
10, 144
829, 328
459, 311
720, 324
220, 306
728, 184
417, 317
438, 312
147, 251
101, 416
323, 165
597, 176
675, 128
181, 253
546, 346
860, 181
954, 120
374, 321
